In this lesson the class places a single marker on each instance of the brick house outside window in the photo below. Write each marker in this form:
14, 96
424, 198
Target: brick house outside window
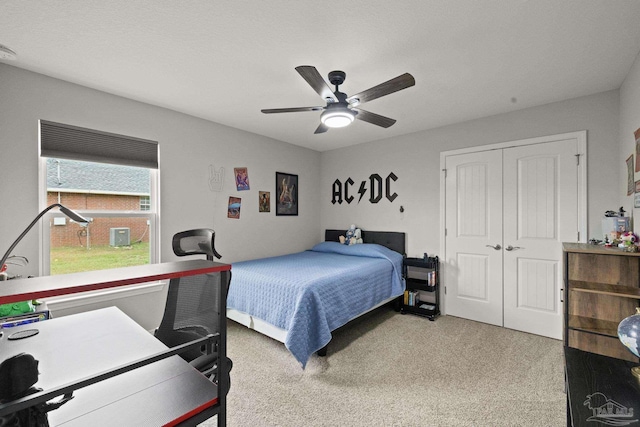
86, 186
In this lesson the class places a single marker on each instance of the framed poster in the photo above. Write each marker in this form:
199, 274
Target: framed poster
264, 201
287, 194
630, 182
636, 134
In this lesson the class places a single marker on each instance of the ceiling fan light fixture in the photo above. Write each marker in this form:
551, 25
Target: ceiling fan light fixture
337, 118
341, 110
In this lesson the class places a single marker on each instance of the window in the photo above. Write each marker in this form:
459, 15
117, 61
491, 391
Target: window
112, 188
145, 203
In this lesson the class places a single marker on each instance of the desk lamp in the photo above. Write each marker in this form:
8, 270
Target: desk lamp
68, 212
19, 373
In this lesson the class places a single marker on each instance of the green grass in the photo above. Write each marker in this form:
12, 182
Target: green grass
68, 259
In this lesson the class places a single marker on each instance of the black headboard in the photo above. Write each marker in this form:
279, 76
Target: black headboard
391, 239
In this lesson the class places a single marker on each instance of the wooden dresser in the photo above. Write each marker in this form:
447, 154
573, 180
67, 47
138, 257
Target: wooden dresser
602, 287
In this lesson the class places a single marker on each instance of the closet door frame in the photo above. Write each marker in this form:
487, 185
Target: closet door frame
581, 140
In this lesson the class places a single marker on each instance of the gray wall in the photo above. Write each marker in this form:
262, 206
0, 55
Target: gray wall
188, 146
415, 159
629, 123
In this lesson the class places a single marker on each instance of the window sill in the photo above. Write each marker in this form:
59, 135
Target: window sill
94, 297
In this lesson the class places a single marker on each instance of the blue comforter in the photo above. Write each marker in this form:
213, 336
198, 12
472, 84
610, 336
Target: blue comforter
311, 293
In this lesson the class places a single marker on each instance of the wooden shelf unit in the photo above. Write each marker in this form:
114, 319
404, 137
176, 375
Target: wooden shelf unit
602, 287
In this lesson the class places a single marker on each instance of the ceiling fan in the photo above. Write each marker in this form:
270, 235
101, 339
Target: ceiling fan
341, 109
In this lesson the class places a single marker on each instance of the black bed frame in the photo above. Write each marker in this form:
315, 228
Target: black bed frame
391, 239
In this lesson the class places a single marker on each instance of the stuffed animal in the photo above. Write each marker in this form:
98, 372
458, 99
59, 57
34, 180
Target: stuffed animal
629, 240
356, 238
352, 236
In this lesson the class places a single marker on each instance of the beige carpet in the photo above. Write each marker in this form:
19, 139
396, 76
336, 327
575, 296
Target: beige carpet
388, 369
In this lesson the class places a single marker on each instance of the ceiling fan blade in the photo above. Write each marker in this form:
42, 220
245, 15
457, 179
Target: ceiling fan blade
373, 118
401, 82
291, 110
322, 128
315, 80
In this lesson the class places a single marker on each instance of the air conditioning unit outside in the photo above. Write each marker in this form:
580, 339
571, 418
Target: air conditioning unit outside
120, 236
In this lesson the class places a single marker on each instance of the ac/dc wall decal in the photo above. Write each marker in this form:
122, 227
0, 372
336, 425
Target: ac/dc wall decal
344, 192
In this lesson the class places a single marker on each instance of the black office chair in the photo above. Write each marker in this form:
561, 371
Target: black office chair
192, 309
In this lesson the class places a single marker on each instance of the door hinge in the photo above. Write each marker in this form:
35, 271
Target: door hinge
445, 290
578, 236
578, 159
445, 232
445, 172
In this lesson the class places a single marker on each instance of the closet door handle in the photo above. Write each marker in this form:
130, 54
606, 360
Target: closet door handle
512, 248
496, 247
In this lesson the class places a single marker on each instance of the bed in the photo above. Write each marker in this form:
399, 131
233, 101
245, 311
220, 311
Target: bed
299, 299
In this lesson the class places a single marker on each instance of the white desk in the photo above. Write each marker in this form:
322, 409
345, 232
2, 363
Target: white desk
26, 289
73, 348
71, 356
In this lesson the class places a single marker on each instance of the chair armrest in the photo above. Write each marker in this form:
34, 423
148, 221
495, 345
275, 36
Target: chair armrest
205, 362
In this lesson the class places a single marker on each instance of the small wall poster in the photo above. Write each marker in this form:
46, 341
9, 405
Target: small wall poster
242, 178
264, 201
636, 134
630, 182
636, 196
233, 210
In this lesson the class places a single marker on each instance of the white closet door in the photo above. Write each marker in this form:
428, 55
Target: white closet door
540, 212
473, 229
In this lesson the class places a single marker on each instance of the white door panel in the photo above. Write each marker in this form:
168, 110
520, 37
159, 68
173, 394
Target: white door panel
474, 223
540, 205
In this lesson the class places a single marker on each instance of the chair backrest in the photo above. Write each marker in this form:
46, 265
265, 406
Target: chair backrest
192, 308
195, 242
191, 312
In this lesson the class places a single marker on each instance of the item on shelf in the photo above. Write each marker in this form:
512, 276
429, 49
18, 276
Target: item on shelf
16, 308
620, 212
613, 227
23, 319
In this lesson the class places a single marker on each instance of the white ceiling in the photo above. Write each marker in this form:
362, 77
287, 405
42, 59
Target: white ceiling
226, 60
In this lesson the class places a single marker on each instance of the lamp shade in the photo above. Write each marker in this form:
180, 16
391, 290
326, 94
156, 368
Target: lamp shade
71, 214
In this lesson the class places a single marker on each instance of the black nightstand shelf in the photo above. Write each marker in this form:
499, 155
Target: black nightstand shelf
421, 275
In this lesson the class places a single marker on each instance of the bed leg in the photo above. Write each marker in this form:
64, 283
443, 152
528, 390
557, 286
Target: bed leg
323, 351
